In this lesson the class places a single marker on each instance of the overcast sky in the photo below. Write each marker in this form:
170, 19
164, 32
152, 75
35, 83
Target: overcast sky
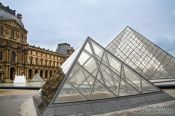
50, 22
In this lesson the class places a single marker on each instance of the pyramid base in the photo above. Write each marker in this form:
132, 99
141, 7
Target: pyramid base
96, 107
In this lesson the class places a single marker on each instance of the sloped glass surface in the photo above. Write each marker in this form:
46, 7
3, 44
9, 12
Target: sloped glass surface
100, 91
142, 55
68, 94
91, 66
87, 48
84, 57
147, 87
97, 49
126, 89
132, 78
114, 63
97, 74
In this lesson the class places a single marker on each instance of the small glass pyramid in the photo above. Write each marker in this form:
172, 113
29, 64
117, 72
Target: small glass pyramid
37, 78
92, 73
142, 55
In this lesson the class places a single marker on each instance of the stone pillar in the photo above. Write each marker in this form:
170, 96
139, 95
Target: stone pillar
6, 74
43, 73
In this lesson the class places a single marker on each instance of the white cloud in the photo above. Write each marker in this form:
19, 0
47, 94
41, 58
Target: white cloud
50, 21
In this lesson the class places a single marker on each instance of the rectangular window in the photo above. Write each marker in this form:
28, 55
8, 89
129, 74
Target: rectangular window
0, 55
12, 35
1, 31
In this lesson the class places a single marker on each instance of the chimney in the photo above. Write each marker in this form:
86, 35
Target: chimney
19, 16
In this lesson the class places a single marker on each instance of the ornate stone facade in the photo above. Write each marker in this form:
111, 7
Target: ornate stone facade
17, 56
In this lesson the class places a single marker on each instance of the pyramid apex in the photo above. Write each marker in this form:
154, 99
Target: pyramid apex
89, 38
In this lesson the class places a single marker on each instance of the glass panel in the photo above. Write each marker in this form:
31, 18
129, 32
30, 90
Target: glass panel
147, 87
77, 78
86, 87
107, 78
126, 89
83, 58
87, 47
97, 49
100, 92
91, 66
114, 63
68, 94
132, 78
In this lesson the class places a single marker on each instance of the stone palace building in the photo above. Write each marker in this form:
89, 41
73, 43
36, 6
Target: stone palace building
17, 57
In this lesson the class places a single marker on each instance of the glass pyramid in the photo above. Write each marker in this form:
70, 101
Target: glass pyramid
92, 72
142, 55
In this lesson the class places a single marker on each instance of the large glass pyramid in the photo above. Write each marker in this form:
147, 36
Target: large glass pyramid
142, 55
92, 73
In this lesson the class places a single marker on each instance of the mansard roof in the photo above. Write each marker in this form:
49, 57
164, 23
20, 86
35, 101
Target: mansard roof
7, 14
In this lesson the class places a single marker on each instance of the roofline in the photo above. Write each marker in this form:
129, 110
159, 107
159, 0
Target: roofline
6, 20
47, 50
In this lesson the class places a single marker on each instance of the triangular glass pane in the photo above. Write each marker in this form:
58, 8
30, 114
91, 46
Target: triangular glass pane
87, 48
100, 92
97, 49
66, 66
148, 87
125, 89
86, 87
91, 66
132, 78
114, 63
106, 77
105, 60
83, 58
77, 78
75, 68
68, 94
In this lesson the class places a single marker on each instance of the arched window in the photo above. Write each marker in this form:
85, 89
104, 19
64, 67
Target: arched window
13, 56
0, 55
1, 30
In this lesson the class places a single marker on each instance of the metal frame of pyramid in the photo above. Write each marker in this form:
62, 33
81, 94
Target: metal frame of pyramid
96, 81
96, 74
142, 55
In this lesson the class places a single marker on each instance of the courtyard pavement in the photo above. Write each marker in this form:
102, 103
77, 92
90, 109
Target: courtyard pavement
18, 103
11, 101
